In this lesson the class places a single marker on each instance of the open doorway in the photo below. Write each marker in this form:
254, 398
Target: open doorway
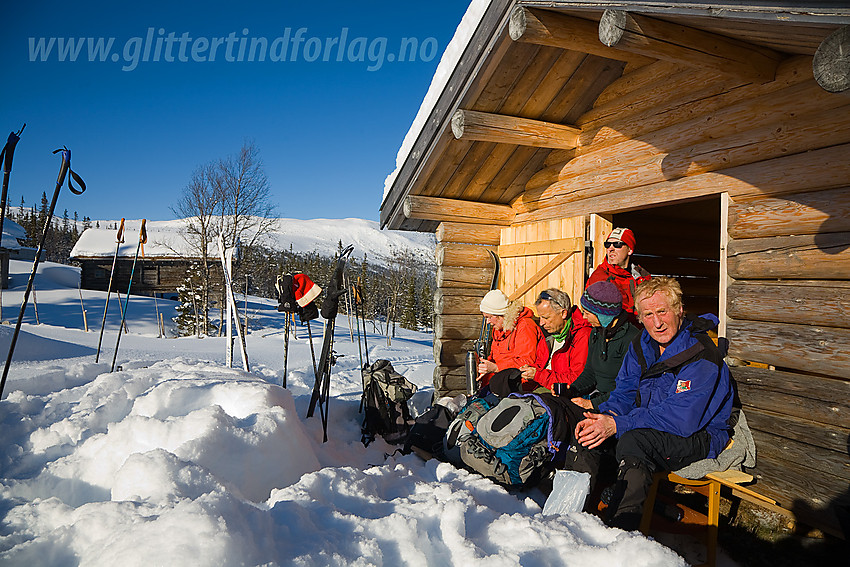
683, 241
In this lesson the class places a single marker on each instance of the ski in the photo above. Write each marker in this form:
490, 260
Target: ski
143, 238
64, 171
6, 157
119, 239
330, 308
231, 301
482, 343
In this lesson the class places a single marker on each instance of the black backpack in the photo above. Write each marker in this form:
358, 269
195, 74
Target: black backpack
385, 396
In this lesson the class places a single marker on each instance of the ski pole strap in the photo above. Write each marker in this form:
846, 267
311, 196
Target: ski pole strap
65, 169
9, 149
143, 237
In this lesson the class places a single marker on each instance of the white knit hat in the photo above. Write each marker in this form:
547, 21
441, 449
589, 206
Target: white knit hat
494, 303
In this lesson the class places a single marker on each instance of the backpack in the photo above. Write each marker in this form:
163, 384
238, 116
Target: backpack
385, 395
428, 431
513, 442
463, 425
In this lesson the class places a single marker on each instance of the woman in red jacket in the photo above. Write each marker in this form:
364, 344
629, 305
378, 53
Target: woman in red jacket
517, 339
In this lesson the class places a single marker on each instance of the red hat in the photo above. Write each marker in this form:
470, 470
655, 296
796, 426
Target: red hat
304, 289
624, 235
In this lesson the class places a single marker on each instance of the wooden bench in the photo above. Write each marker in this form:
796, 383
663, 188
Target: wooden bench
709, 486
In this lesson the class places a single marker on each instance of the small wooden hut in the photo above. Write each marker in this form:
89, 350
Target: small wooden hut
161, 267
719, 132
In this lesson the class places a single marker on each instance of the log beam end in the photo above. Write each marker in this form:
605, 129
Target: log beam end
831, 63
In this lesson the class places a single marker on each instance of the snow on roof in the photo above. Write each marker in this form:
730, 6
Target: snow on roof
447, 64
12, 231
163, 241
166, 239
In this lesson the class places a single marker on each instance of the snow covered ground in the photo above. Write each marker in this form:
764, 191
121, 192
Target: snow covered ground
179, 460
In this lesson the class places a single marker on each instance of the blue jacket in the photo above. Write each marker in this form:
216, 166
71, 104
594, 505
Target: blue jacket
698, 397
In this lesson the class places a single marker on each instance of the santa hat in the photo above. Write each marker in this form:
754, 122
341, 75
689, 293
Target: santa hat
623, 235
304, 289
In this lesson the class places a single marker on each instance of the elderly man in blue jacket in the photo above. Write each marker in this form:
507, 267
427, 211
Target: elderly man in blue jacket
671, 404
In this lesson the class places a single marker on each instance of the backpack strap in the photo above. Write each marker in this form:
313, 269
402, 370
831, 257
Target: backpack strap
704, 348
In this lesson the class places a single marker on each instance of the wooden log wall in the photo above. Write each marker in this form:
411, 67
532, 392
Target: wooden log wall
464, 275
780, 149
788, 307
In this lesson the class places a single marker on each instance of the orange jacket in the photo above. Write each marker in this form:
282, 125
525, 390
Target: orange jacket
524, 345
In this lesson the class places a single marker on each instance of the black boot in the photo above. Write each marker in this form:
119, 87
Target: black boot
633, 483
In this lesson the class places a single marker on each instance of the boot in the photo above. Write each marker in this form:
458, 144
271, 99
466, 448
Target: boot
630, 491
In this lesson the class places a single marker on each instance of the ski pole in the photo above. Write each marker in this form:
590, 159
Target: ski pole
6, 157
119, 240
285, 345
155, 304
83, 307
143, 237
64, 170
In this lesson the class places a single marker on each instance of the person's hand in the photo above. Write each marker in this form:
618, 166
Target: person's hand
581, 402
486, 366
528, 372
594, 429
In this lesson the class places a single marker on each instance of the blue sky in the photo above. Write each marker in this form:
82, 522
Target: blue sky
178, 89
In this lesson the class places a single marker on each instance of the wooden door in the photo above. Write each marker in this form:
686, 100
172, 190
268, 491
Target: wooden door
540, 255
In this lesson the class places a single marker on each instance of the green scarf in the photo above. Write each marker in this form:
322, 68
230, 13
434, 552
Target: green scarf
561, 337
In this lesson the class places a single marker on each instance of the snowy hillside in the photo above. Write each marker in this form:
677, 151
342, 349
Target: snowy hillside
179, 460
165, 238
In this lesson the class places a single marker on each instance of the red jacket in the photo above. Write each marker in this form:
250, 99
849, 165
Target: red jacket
568, 361
623, 279
523, 345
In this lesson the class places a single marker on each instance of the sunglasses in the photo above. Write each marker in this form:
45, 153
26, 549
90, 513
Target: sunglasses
619, 244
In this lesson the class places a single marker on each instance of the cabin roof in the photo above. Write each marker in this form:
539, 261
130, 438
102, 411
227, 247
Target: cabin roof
493, 74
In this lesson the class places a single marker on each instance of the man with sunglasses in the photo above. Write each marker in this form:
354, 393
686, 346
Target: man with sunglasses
618, 268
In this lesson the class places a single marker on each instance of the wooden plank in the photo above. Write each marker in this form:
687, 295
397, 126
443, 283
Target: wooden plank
825, 168
554, 246
457, 327
457, 304
812, 398
637, 79
542, 273
468, 233
456, 210
824, 350
813, 498
771, 446
452, 276
677, 43
452, 352
541, 27
816, 434
800, 213
632, 164
502, 129
806, 302
819, 256
464, 255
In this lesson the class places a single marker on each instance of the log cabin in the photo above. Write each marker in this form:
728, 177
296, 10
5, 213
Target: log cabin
719, 132
161, 267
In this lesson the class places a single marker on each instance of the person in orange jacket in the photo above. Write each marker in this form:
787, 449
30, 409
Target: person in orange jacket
569, 333
618, 268
517, 340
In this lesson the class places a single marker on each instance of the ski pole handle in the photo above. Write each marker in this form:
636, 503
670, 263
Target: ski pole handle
119, 238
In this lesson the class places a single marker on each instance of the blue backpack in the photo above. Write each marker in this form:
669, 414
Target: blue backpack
512, 442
